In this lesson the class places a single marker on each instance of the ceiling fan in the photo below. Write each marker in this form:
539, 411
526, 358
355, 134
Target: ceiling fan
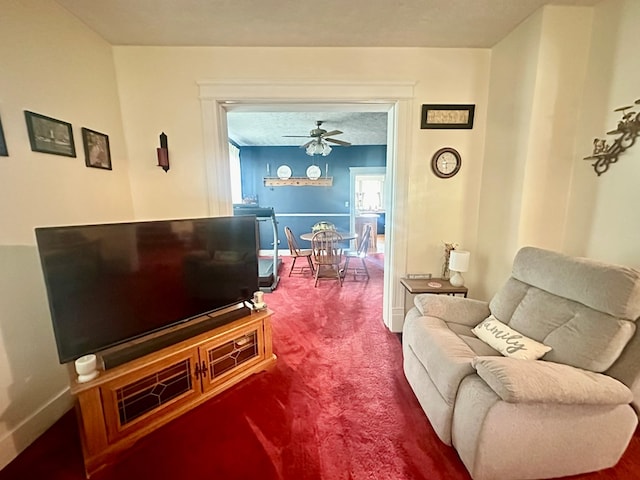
320, 134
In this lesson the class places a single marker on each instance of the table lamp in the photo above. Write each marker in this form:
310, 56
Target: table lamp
458, 263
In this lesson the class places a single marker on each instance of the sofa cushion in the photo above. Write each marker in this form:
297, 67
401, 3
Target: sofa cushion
611, 289
579, 336
508, 341
466, 335
444, 355
524, 381
584, 309
460, 310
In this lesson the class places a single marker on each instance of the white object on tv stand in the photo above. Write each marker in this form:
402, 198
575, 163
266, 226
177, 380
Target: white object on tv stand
86, 368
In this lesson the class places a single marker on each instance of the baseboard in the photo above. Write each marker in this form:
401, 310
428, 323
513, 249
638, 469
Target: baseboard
396, 321
32, 427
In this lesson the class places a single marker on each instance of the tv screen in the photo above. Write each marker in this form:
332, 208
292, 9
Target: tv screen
107, 284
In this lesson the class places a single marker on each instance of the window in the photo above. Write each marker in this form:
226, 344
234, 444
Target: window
369, 192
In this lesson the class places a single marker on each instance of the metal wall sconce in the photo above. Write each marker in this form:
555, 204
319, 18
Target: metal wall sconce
628, 130
163, 153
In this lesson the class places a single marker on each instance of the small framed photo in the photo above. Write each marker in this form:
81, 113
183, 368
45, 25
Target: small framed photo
447, 116
48, 135
3, 144
96, 149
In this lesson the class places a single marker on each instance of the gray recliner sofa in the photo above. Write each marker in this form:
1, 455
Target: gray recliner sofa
572, 411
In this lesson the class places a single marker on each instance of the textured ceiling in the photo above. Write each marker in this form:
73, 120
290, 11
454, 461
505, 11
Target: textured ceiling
307, 23
269, 128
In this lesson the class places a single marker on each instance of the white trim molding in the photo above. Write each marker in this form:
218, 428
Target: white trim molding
395, 98
306, 92
33, 426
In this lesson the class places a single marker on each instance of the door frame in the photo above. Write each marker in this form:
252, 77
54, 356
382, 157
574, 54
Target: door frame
396, 98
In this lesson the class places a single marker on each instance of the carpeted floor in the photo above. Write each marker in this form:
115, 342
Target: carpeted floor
336, 406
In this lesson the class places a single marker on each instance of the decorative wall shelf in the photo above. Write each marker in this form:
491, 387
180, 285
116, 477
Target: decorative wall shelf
298, 182
628, 130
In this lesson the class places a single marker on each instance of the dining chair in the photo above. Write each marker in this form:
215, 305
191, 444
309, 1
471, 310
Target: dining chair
359, 254
297, 253
326, 246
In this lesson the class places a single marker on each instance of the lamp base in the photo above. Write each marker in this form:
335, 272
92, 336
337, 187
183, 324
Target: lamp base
88, 377
457, 280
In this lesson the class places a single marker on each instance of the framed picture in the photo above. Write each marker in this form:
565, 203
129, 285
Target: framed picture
96, 149
447, 116
48, 135
3, 144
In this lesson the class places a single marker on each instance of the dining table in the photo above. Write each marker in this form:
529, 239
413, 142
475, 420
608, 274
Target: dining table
345, 235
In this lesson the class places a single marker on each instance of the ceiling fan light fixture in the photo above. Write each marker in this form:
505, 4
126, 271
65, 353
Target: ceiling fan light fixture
311, 149
318, 147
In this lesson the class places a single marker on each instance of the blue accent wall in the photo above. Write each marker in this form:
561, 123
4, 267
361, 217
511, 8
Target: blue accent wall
322, 202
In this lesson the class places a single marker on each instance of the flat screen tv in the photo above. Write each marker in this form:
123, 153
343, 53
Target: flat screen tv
111, 283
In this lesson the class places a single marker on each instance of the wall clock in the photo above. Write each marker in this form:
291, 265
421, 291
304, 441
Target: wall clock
446, 162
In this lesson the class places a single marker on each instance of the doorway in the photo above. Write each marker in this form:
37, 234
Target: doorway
369, 203
303, 187
395, 98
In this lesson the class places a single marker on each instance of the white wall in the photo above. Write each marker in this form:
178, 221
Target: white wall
580, 64
566, 69
513, 69
53, 65
152, 102
603, 218
537, 77
560, 76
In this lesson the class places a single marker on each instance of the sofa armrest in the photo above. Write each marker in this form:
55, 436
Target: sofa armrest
537, 381
464, 311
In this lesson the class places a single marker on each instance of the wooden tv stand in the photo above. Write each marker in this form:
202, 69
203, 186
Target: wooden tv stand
127, 402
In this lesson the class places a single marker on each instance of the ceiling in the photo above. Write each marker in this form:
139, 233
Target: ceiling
268, 128
306, 23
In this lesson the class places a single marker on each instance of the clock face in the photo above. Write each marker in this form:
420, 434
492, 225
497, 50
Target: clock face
446, 162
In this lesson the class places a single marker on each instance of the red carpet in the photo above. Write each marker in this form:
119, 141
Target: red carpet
336, 406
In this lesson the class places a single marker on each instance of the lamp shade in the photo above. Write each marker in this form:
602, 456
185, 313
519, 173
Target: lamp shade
318, 147
459, 260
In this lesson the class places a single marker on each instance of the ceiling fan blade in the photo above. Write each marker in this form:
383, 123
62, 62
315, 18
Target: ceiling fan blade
296, 136
332, 132
339, 142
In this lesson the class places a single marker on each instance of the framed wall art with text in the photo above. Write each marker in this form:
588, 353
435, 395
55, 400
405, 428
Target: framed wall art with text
447, 116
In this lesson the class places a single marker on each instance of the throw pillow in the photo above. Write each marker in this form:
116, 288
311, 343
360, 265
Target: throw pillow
507, 341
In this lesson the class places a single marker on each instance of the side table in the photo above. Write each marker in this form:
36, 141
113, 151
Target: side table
438, 286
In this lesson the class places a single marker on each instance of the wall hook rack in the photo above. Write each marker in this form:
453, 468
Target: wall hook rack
627, 130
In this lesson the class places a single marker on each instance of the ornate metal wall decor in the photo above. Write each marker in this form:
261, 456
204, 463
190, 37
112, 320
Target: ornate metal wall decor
627, 130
